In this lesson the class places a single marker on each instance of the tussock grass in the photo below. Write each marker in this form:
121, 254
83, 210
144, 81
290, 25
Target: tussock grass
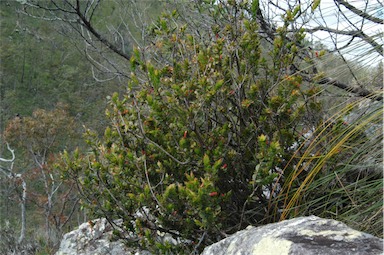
339, 175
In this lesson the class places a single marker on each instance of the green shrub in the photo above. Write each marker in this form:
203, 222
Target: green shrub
205, 127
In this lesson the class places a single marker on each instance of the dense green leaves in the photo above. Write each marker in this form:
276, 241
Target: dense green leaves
201, 134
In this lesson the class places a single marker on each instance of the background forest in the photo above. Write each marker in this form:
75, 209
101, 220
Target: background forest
193, 118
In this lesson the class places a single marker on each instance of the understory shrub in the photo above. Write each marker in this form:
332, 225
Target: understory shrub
210, 134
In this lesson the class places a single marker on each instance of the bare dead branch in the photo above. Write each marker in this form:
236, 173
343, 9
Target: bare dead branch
13, 155
359, 12
357, 91
86, 23
354, 33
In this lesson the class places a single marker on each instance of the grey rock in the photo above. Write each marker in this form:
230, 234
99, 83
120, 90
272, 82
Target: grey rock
95, 238
300, 236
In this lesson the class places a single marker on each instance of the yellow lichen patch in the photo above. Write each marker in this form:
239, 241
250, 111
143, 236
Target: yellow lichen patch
272, 246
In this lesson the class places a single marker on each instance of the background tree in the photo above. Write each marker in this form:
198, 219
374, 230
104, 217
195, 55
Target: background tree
41, 67
15, 178
38, 138
107, 29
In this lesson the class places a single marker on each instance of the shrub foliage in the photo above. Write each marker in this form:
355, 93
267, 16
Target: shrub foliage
207, 124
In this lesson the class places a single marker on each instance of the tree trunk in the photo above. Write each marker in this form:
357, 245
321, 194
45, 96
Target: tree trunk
23, 218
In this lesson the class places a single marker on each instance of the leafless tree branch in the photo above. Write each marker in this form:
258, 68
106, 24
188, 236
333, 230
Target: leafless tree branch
8, 171
354, 33
357, 91
87, 24
359, 12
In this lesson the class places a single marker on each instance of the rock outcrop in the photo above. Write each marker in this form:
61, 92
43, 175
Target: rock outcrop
95, 238
300, 236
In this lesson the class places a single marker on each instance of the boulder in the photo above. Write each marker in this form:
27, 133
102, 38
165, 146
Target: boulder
300, 236
304, 235
95, 238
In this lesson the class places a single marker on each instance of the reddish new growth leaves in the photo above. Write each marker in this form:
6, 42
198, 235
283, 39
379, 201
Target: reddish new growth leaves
213, 194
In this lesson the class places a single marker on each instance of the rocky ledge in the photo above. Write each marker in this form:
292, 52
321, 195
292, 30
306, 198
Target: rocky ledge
300, 236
